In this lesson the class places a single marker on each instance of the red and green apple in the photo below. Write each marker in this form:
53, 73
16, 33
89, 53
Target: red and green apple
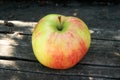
59, 41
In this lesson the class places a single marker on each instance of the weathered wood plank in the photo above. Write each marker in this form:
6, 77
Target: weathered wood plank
77, 71
20, 75
28, 27
19, 26
101, 52
106, 34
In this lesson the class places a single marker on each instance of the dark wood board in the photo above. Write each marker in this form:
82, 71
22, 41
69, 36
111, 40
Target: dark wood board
78, 71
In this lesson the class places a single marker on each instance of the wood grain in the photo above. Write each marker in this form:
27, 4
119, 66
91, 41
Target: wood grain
77, 71
24, 75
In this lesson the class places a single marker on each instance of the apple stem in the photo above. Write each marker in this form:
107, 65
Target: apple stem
59, 17
60, 27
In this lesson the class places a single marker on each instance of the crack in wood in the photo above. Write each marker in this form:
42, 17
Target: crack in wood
16, 58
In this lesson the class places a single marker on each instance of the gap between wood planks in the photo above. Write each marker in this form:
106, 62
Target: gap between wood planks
30, 60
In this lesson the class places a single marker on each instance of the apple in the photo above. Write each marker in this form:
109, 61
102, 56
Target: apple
59, 41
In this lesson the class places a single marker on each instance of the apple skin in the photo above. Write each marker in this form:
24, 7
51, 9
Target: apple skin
60, 43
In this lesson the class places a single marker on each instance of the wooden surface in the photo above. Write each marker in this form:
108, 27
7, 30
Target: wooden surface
102, 62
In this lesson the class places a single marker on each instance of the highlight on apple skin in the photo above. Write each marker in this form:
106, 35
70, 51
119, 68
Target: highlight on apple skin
59, 41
